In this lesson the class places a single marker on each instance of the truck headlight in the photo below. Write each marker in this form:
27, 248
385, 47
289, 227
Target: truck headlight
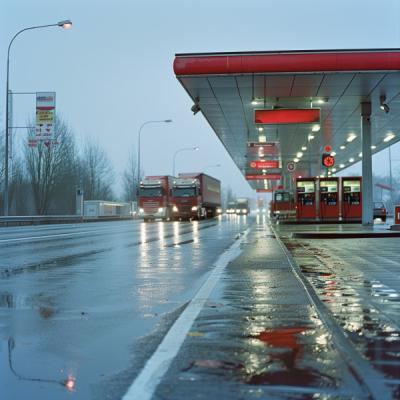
219, 210
175, 209
161, 209
141, 211
244, 211
194, 208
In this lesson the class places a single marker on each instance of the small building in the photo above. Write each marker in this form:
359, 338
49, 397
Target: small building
106, 209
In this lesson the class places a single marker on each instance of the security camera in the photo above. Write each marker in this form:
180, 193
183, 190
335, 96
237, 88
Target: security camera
196, 106
195, 109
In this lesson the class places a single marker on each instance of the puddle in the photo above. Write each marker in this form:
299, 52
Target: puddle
44, 304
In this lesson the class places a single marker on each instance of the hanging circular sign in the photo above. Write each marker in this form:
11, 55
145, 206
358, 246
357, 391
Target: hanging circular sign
328, 160
291, 166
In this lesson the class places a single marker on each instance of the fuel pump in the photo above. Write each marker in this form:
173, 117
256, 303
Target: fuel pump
351, 199
329, 198
305, 199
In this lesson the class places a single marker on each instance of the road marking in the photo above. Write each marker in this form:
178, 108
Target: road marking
147, 381
42, 237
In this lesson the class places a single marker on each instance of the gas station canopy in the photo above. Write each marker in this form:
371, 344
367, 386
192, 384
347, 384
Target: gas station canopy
292, 106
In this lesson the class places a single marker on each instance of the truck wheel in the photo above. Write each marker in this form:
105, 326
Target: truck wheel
145, 220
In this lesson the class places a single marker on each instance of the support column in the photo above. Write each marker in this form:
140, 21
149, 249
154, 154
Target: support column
367, 194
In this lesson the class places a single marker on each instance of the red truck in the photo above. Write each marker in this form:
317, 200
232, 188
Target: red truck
154, 199
195, 196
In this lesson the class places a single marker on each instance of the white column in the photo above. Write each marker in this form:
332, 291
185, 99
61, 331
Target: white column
367, 195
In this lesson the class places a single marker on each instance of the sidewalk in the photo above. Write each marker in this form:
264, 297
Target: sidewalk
259, 337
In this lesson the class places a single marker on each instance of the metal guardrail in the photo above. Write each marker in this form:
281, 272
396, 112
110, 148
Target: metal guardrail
54, 219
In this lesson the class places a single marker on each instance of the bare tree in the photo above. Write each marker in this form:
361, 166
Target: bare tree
49, 164
96, 174
130, 179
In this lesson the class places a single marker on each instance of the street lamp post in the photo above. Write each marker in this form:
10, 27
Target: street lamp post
178, 151
138, 150
63, 24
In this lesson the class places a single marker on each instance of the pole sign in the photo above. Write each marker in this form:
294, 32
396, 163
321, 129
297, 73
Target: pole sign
45, 115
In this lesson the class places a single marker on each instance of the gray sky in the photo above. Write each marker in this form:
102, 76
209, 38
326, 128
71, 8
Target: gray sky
113, 70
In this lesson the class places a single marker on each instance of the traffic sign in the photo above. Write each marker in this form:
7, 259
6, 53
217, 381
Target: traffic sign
291, 166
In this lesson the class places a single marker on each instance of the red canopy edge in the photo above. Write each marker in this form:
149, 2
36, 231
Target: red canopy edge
306, 62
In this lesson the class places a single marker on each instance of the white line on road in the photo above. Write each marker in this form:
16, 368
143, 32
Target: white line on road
42, 237
147, 381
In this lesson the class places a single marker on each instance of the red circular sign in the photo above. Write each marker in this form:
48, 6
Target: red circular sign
327, 148
328, 160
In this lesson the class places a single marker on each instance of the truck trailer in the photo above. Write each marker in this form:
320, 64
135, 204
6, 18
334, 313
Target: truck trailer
195, 196
242, 206
155, 198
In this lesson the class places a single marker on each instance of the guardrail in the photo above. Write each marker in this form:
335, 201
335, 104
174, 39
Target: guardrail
55, 219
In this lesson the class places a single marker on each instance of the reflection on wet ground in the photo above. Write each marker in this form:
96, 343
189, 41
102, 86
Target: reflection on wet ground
76, 312
362, 307
259, 338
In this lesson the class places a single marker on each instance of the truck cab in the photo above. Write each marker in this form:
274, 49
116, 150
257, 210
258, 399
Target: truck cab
186, 199
195, 196
154, 198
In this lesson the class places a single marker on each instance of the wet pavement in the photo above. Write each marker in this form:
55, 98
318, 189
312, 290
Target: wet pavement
260, 337
358, 282
83, 306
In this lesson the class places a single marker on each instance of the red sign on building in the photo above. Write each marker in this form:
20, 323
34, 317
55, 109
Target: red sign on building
264, 190
287, 116
264, 164
271, 177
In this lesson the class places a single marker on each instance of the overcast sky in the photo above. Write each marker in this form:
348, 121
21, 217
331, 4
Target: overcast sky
113, 70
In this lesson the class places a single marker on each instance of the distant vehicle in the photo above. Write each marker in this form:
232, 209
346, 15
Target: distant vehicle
196, 196
380, 210
282, 205
261, 206
242, 206
154, 198
231, 207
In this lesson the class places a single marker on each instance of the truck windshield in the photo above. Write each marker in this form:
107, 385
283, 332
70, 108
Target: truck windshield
184, 192
150, 192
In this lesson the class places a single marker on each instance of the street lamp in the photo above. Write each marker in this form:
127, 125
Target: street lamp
66, 24
138, 150
178, 151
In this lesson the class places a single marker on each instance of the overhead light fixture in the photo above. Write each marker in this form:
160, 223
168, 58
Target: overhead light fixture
334, 169
260, 129
322, 100
351, 137
329, 173
67, 24
360, 154
296, 160
389, 137
299, 154
304, 148
262, 138
333, 153
341, 165
373, 147
383, 106
254, 102
316, 128
351, 159
322, 176
342, 147
311, 136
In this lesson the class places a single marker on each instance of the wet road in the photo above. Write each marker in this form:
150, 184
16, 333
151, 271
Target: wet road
83, 306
